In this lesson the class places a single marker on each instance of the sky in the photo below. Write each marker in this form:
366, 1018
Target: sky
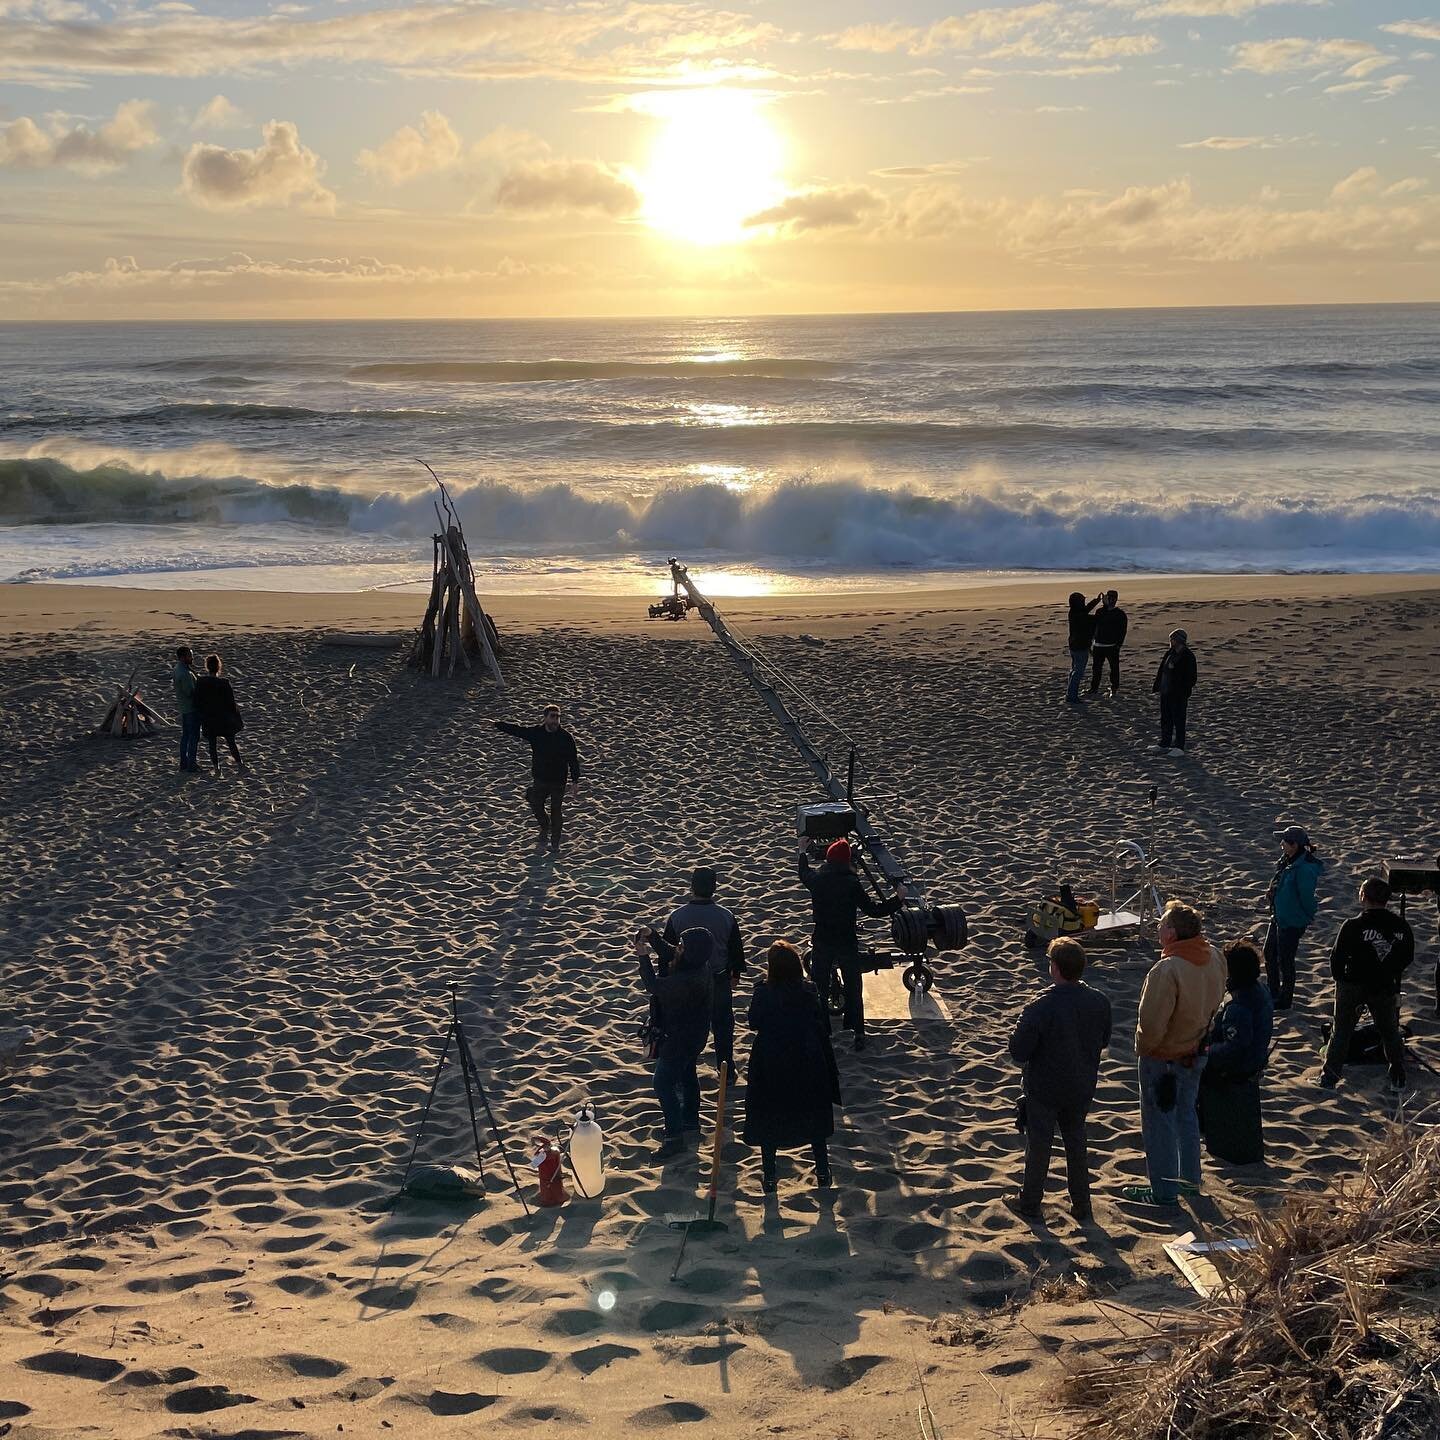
167, 160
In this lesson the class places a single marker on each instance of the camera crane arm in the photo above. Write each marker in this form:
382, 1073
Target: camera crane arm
917, 922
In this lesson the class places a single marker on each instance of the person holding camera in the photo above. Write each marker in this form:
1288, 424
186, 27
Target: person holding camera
727, 962
1059, 1040
1291, 901
1371, 954
837, 896
1082, 634
553, 756
680, 1012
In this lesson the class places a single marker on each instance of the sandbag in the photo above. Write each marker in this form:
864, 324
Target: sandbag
451, 1183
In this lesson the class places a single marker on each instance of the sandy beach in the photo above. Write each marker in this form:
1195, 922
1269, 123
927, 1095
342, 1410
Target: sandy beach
239, 986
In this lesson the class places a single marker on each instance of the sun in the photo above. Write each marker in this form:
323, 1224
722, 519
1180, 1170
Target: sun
716, 161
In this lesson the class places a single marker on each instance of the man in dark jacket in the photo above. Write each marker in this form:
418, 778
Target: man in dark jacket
836, 896
1082, 631
1371, 954
1229, 1102
552, 757
681, 1009
1174, 680
1059, 1041
1111, 623
727, 964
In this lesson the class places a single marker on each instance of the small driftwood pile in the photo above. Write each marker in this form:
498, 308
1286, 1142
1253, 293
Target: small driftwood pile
1327, 1329
455, 628
128, 714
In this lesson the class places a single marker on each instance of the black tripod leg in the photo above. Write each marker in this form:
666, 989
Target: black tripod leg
468, 1059
466, 1068
425, 1114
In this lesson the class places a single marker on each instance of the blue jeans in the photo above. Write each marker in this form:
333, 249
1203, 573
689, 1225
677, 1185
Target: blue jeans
1171, 1137
678, 1089
189, 740
1079, 659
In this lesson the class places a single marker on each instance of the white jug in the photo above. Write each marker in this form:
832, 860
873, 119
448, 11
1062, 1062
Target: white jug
587, 1142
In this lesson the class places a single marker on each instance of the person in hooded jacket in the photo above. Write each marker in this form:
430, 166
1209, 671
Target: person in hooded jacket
1082, 632
1292, 904
680, 993
1230, 1116
792, 1080
1371, 954
1181, 994
220, 716
837, 895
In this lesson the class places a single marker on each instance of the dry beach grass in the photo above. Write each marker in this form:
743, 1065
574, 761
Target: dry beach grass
239, 988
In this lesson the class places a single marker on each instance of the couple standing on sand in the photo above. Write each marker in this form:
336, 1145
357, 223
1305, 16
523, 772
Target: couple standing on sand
206, 702
1097, 638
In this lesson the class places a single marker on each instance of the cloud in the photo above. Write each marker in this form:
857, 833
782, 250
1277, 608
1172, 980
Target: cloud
1276, 57
1244, 142
1415, 29
219, 114
409, 152
1208, 9
917, 172
24, 145
1364, 181
548, 186
622, 39
827, 208
278, 174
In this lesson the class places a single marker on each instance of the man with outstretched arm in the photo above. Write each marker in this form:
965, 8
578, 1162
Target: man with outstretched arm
553, 757
837, 895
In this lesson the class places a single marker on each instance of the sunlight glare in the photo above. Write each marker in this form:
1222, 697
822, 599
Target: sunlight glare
716, 161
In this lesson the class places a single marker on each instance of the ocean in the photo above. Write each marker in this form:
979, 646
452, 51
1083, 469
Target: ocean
773, 454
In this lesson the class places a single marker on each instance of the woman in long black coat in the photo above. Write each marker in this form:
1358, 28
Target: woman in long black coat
792, 1080
219, 714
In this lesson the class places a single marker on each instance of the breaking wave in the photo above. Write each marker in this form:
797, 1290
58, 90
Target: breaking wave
840, 522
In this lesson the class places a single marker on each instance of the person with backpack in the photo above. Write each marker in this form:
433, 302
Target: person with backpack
680, 1012
1369, 959
837, 896
220, 716
728, 961
1111, 625
792, 1081
1082, 632
1175, 678
1292, 904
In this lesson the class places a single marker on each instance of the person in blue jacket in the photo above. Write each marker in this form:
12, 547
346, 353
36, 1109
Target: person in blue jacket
1291, 898
1238, 1052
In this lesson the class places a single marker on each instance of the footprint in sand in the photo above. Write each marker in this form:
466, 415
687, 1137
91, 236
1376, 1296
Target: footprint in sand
311, 1367
457, 1402
202, 1399
74, 1365
672, 1412
848, 1371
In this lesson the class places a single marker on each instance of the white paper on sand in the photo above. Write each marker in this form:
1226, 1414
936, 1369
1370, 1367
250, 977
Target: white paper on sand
1191, 1258
1116, 919
886, 998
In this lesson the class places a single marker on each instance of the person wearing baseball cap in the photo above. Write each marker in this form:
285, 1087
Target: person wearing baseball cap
836, 897
1292, 904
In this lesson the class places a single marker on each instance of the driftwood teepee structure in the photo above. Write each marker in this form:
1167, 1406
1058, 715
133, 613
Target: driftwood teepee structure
455, 628
128, 714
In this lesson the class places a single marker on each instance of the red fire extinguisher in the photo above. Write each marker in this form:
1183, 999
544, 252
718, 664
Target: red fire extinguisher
546, 1161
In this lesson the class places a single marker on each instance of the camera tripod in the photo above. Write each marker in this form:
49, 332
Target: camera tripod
470, 1072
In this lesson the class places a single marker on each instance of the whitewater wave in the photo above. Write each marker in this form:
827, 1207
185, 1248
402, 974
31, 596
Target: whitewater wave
837, 522
506, 372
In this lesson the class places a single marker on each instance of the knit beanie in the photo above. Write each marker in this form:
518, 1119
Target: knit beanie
838, 851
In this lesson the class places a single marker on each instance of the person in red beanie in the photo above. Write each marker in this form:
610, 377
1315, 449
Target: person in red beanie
836, 898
